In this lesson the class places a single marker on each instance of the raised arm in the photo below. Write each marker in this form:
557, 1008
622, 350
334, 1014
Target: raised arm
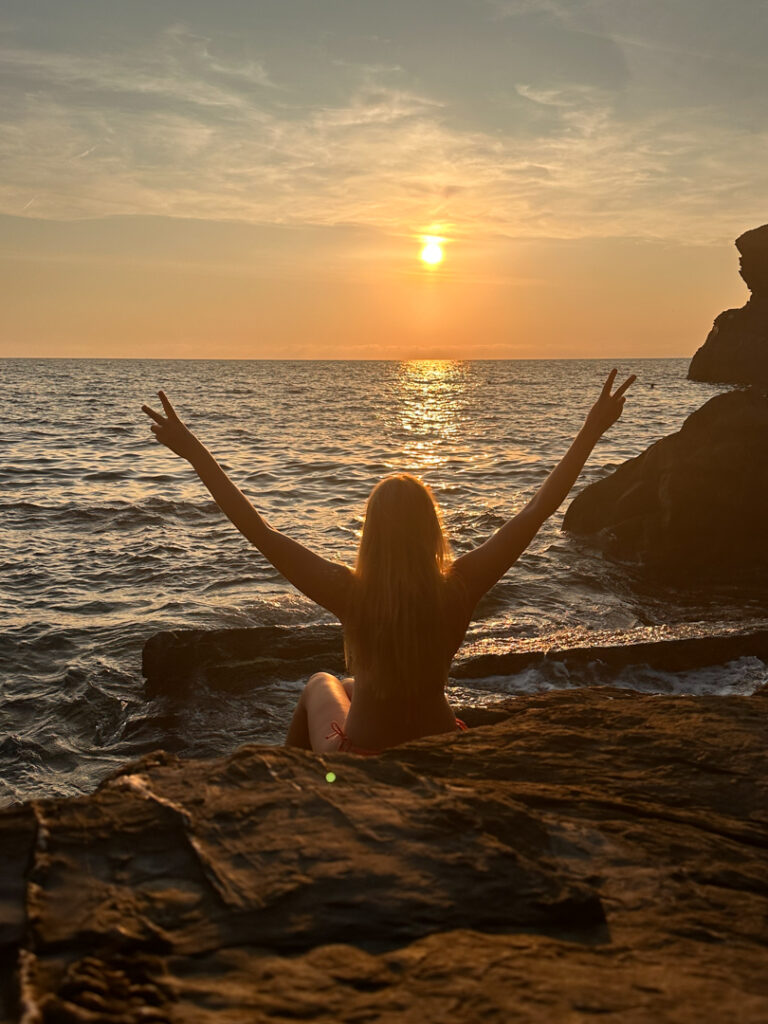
322, 581
485, 565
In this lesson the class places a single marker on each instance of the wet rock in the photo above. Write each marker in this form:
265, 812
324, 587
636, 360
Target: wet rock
736, 349
667, 648
593, 852
695, 504
176, 661
238, 659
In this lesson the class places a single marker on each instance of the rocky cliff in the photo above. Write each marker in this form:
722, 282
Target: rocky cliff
736, 349
695, 504
590, 853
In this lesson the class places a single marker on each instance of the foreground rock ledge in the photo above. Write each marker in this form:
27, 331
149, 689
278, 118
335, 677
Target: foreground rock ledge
589, 853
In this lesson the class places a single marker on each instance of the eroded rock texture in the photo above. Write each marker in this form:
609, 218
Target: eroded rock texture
694, 504
592, 853
736, 349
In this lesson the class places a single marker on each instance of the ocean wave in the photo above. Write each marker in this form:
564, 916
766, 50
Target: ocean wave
742, 677
152, 510
108, 474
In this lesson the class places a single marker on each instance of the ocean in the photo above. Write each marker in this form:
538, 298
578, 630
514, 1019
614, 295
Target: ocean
107, 538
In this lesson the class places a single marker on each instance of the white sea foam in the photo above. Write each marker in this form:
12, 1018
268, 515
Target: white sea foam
741, 677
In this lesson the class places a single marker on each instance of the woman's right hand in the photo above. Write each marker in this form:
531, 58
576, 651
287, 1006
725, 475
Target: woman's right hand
170, 431
607, 408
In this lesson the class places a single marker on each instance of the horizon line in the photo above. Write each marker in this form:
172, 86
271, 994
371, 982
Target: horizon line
337, 359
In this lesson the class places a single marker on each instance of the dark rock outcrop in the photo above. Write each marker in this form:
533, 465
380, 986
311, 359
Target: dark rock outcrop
736, 349
695, 504
176, 661
236, 659
593, 853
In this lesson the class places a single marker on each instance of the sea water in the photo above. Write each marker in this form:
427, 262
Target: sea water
106, 537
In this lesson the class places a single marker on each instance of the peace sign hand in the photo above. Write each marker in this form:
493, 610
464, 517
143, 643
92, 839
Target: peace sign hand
170, 431
607, 408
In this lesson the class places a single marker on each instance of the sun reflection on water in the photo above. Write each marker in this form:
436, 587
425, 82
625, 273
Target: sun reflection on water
432, 401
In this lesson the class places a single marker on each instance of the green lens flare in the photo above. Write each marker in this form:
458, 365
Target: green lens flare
330, 776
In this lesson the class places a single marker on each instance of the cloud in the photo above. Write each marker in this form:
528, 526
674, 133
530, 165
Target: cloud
186, 128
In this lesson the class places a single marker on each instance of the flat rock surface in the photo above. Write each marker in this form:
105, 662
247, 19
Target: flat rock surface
593, 853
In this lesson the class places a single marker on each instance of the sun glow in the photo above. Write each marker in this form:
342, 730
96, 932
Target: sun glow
432, 253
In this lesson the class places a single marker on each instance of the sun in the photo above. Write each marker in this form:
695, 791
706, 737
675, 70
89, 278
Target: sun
432, 253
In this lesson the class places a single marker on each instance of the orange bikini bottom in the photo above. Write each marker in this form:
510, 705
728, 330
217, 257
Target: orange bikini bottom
349, 748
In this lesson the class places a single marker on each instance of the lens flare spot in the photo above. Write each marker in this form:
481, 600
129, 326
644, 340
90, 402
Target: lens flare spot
330, 776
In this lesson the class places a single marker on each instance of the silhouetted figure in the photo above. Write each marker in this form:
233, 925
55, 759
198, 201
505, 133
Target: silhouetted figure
406, 605
736, 349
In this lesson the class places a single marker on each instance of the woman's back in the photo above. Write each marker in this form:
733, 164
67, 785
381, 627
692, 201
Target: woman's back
384, 712
404, 618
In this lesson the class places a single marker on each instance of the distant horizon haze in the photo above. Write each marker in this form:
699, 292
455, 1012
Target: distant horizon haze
359, 359
83, 289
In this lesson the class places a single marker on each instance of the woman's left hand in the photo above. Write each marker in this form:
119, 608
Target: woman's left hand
608, 407
170, 431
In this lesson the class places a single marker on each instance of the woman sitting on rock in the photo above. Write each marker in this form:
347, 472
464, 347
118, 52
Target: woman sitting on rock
406, 605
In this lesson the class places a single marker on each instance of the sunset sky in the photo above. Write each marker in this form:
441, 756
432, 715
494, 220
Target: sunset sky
255, 178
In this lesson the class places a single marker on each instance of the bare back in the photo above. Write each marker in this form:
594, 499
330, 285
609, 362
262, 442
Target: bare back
376, 723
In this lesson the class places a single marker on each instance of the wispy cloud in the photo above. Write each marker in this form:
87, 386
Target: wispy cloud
182, 129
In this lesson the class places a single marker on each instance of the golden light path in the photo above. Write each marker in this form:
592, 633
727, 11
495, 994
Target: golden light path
432, 252
432, 398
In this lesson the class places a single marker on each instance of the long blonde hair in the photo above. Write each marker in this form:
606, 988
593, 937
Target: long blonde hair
393, 631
